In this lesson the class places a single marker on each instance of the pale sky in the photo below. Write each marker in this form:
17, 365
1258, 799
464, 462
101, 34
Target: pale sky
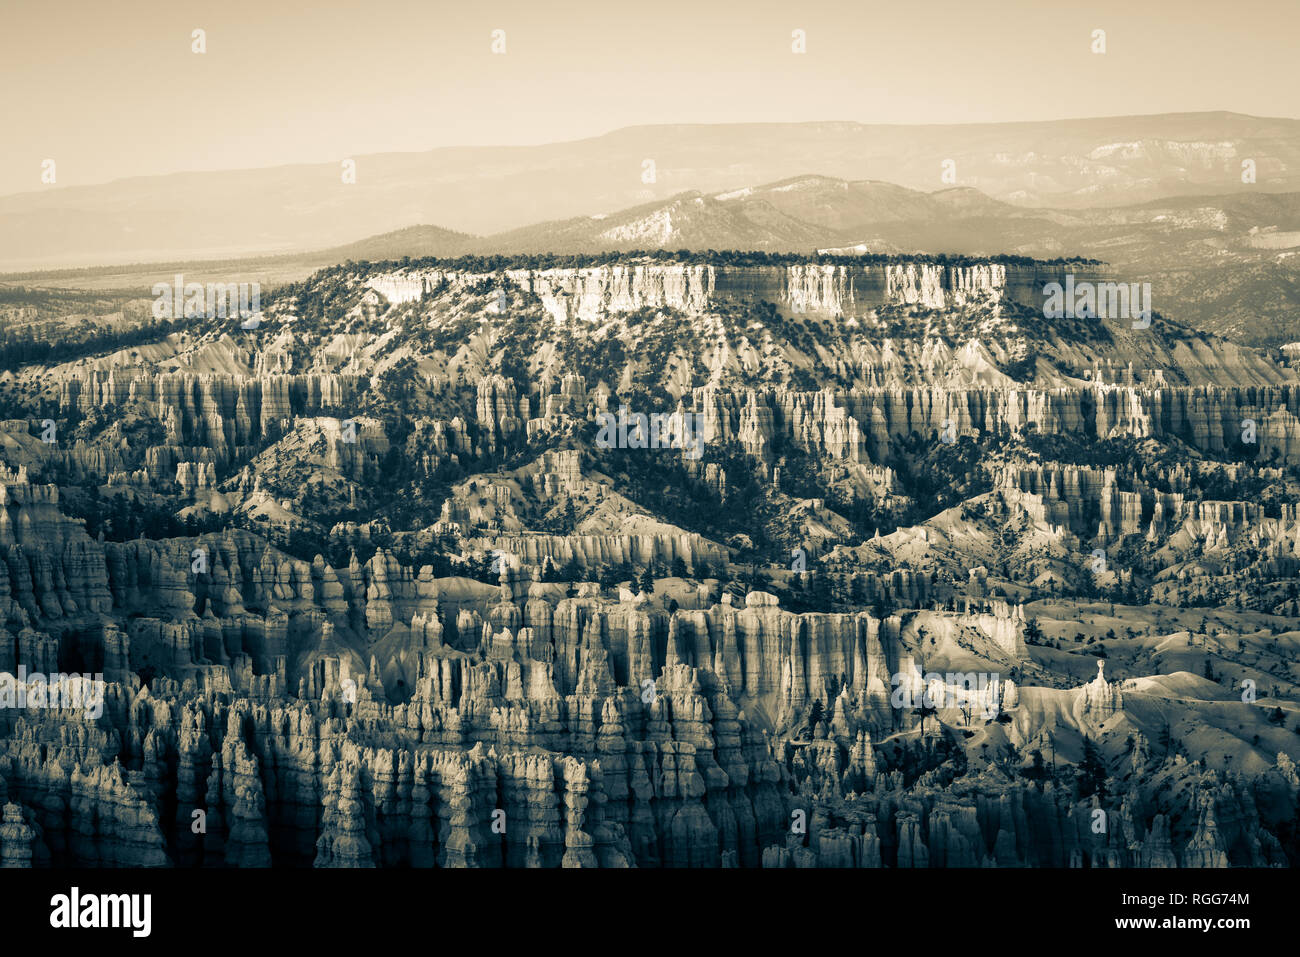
112, 89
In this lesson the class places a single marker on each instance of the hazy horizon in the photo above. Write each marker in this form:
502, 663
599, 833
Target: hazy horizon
621, 129
116, 93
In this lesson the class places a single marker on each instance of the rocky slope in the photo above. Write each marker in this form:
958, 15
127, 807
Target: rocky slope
949, 584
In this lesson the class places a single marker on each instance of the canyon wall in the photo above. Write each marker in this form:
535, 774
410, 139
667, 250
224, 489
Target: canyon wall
833, 290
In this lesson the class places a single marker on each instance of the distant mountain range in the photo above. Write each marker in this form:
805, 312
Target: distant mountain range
1229, 263
1064, 164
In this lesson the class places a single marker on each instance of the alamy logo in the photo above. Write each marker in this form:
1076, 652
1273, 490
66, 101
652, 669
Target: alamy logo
74, 910
951, 690
659, 430
214, 300
52, 692
1105, 300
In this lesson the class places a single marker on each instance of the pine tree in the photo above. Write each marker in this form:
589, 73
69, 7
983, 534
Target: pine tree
1165, 739
1092, 771
858, 590
1033, 633
572, 571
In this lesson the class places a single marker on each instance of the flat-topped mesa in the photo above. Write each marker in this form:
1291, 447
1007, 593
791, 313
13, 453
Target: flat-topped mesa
833, 290
937, 287
589, 294
580, 293
856, 289
829, 289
